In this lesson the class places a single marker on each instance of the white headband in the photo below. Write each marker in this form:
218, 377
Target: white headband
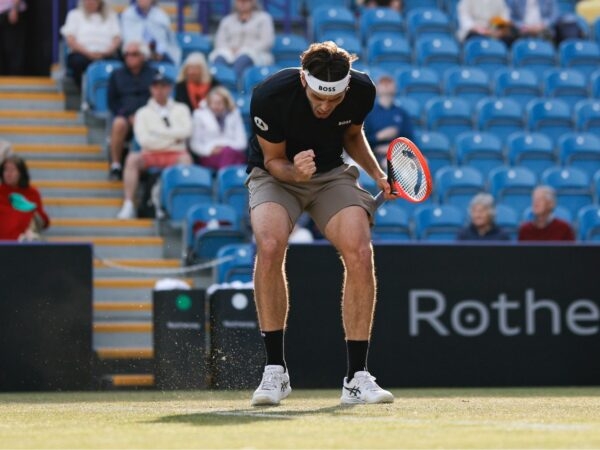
326, 87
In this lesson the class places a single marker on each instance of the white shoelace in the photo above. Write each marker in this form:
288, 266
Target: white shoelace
368, 382
268, 382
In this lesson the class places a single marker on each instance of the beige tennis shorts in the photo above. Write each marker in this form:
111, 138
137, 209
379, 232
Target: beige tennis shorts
322, 196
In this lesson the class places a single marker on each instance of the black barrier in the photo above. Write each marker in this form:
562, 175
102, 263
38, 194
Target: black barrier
449, 315
237, 357
45, 317
179, 339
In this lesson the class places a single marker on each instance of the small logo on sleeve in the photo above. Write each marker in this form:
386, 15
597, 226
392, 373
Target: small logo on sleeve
341, 123
260, 123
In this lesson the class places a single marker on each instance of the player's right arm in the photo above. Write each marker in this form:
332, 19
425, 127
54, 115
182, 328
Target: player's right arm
301, 169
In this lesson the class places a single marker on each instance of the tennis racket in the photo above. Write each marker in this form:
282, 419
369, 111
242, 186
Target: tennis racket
408, 172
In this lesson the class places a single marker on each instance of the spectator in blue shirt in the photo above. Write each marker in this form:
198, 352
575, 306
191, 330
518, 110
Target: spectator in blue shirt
482, 226
387, 120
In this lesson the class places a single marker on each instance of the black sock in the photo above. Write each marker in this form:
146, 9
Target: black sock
274, 347
357, 357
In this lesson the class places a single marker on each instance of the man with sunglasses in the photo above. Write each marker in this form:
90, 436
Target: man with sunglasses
303, 119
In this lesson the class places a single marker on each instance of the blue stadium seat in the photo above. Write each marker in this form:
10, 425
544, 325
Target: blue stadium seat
438, 223
587, 116
512, 186
572, 185
289, 11
194, 42
507, 219
366, 182
469, 83
311, 5
237, 263
457, 185
166, 68
208, 227
427, 23
580, 54
501, 116
588, 223
520, 85
551, 116
231, 190
534, 54
391, 223
412, 107
225, 75
487, 54
409, 5
436, 148
379, 20
287, 49
581, 150
254, 75
448, 115
421, 84
242, 101
532, 150
348, 41
479, 149
566, 84
438, 54
95, 85
388, 52
184, 186
560, 212
594, 84
328, 18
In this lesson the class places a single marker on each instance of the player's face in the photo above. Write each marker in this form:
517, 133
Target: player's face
323, 105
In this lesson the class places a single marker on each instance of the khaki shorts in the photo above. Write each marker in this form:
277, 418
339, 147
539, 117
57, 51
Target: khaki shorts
322, 197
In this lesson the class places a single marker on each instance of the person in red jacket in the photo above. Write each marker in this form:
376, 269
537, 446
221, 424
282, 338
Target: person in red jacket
544, 226
21, 209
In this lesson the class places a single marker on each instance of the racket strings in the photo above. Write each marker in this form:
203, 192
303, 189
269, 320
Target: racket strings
408, 172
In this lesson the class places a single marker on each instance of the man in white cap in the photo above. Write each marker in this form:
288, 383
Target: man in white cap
303, 119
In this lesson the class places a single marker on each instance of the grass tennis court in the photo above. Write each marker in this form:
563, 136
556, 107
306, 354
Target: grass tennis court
420, 418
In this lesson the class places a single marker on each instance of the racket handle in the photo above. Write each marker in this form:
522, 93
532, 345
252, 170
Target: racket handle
379, 199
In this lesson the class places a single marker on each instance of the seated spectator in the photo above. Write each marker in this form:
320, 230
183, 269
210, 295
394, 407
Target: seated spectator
485, 18
244, 38
194, 81
387, 120
128, 90
534, 18
162, 128
396, 5
145, 21
12, 37
482, 226
544, 226
22, 214
92, 33
218, 138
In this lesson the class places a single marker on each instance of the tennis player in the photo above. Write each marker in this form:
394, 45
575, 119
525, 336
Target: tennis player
303, 119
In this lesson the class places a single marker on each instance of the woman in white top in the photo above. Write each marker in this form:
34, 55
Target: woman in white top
485, 18
92, 32
244, 38
218, 138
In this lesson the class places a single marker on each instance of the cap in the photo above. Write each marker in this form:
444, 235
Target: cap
161, 78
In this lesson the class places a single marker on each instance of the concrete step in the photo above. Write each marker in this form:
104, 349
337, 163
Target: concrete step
28, 84
25, 100
105, 353
60, 151
68, 134
101, 227
82, 207
56, 118
75, 188
68, 170
122, 311
119, 247
127, 289
128, 381
106, 336
120, 267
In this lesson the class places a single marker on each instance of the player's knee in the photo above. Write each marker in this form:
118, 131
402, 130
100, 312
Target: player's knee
359, 256
271, 248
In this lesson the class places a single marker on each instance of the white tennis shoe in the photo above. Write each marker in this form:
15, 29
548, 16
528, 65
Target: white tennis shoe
363, 389
274, 387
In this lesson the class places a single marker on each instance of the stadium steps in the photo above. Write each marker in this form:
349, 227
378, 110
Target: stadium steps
40, 117
50, 169
115, 246
101, 227
26, 100
64, 134
78, 207
77, 188
28, 84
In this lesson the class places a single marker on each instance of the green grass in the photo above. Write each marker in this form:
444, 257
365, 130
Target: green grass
420, 418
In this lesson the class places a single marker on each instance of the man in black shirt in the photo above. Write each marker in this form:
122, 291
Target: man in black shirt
303, 119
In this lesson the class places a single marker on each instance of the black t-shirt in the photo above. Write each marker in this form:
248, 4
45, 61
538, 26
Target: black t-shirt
280, 111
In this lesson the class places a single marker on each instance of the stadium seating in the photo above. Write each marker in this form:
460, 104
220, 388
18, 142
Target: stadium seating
242, 101
438, 54
572, 185
580, 54
587, 116
581, 150
436, 149
328, 18
534, 54
549, 116
231, 190
366, 182
469, 83
569, 85
374, 21
348, 41
448, 115
487, 54
532, 150
588, 223
237, 263
438, 223
479, 149
507, 219
512, 186
595, 84
194, 42
388, 52
420, 83
95, 86
182, 187
412, 107
225, 75
427, 23
168, 69
521, 85
391, 223
287, 49
501, 116
409, 5
254, 75
458, 185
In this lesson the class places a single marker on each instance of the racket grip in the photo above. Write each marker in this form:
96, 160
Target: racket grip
379, 199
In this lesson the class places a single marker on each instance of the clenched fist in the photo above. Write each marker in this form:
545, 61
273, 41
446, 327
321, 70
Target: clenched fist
304, 165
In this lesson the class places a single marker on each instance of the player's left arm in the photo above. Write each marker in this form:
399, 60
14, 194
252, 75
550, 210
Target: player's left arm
357, 146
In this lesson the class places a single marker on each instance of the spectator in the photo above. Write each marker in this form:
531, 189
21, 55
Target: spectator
128, 90
92, 33
244, 38
396, 5
485, 18
161, 128
534, 18
22, 214
219, 138
12, 37
482, 226
194, 81
544, 226
387, 120
145, 21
